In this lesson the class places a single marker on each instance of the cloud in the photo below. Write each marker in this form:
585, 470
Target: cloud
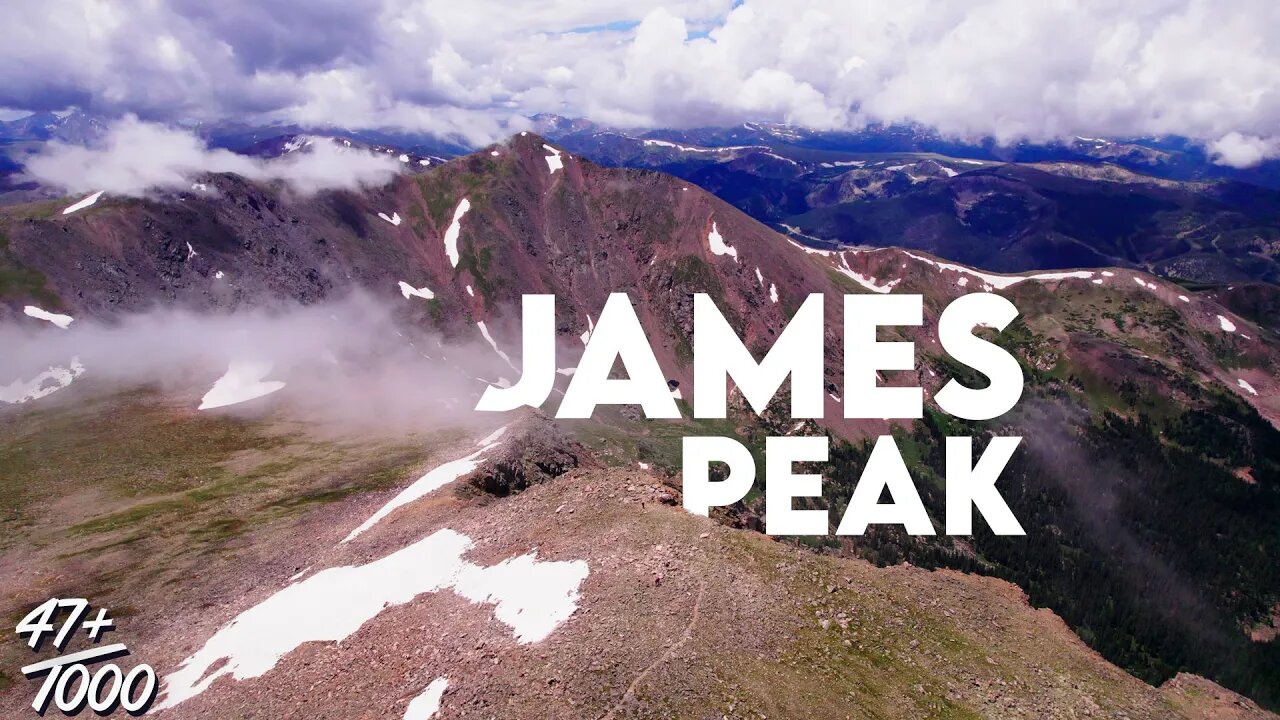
1003, 68
134, 158
347, 360
1242, 151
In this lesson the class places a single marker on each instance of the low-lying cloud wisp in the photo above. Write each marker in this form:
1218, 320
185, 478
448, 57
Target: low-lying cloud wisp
135, 157
344, 361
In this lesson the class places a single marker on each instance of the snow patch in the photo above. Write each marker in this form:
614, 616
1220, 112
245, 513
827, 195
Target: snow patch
1226, 324
61, 321
773, 293
1001, 281
718, 246
394, 219
1242, 383
451, 235
1184, 298
46, 383
532, 597
404, 158
796, 231
83, 203
243, 381
485, 332
759, 277
554, 162
437, 478
427, 704
866, 282
409, 291
471, 292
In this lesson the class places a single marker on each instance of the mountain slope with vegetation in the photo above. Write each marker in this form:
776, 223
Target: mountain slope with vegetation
1148, 478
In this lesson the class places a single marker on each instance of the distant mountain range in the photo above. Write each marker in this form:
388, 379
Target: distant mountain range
1156, 204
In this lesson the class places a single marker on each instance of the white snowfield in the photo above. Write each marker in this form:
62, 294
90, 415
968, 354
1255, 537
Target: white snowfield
409, 291
484, 330
866, 282
796, 232
451, 235
718, 246
1226, 324
773, 293
394, 219
684, 148
83, 203
1244, 384
437, 478
46, 383
1003, 281
531, 596
243, 381
61, 321
554, 162
426, 705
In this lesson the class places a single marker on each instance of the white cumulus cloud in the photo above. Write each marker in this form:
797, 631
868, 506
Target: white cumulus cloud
1009, 69
1242, 151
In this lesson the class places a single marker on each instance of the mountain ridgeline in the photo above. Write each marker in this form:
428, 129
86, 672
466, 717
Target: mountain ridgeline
1149, 476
